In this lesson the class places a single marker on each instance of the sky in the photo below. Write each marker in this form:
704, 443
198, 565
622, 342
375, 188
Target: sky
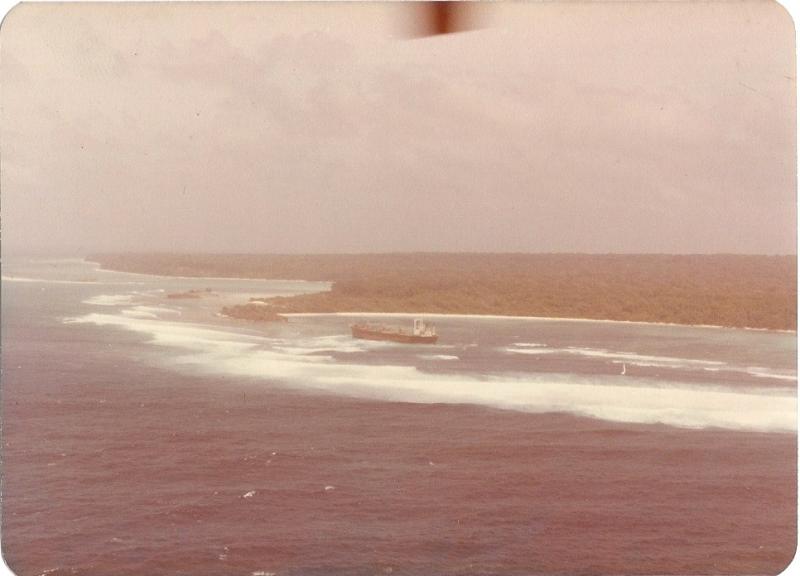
624, 127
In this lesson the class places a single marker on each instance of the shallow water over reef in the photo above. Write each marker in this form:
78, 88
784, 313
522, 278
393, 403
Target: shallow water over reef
146, 435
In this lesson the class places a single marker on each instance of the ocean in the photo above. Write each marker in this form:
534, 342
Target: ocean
148, 435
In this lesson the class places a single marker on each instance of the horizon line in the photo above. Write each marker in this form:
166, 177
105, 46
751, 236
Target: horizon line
87, 254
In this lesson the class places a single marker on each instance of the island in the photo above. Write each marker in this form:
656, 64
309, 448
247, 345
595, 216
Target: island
753, 291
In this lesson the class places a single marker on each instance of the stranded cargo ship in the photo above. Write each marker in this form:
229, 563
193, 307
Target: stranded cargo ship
422, 333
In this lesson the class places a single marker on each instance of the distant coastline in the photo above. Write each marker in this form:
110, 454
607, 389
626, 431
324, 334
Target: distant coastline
532, 318
729, 291
101, 266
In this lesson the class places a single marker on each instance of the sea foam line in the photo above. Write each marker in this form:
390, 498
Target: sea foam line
110, 300
216, 351
759, 372
631, 357
438, 357
645, 360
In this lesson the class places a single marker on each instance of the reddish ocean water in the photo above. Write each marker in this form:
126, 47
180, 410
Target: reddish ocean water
145, 436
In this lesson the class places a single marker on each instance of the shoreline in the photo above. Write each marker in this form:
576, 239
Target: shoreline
101, 267
531, 318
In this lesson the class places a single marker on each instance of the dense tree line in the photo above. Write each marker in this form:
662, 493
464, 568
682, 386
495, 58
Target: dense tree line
728, 290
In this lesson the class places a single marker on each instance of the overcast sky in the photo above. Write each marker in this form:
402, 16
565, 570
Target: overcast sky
607, 127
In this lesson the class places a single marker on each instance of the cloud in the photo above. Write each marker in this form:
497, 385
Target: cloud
561, 127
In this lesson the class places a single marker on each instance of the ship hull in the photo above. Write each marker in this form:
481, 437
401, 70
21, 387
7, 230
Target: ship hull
364, 333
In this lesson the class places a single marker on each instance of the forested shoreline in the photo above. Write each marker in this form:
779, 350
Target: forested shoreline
727, 290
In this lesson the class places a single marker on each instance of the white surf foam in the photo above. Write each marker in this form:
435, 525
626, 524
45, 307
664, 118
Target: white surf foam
632, 357
534, 351
649, 361
214, 350
134, 313
618, 357
320, 344
159, 310
789, 375
110, 300
149, 312
438, 357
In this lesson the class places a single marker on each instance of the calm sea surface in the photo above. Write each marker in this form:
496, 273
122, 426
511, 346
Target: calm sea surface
146, 435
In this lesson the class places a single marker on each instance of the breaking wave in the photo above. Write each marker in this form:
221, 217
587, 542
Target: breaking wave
148, 311
438, 357
627, 357
292, 363
650, 361
110, 300
776, 375
327, 344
